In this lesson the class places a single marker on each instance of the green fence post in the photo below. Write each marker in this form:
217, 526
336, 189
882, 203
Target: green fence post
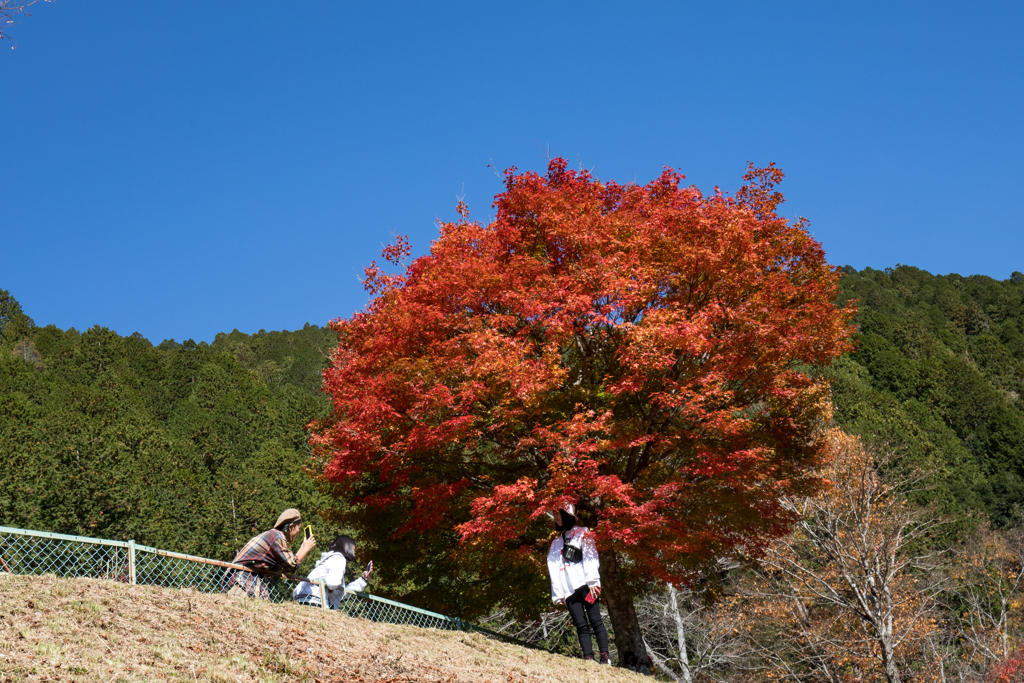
131, 562
323, 595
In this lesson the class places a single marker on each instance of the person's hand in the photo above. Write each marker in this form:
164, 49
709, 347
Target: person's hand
595, 591
369, 570
307, 545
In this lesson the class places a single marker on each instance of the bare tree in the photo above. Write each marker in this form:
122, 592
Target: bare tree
856, 577
10, 10
690, 636
988, 577
552, 630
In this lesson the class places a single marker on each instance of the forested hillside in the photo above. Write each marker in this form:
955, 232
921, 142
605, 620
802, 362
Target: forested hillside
193, 447
937, 379
185, 446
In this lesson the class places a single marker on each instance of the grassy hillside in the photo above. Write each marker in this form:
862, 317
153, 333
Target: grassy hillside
91, 630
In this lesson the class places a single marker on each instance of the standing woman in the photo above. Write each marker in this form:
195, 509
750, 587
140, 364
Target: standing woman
576, 582
331, 568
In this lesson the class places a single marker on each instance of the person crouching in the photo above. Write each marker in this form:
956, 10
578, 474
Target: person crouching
331, 569
576, 582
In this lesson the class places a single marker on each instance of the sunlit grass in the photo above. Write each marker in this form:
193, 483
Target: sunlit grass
93, 630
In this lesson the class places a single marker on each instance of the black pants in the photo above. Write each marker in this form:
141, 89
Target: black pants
583, 612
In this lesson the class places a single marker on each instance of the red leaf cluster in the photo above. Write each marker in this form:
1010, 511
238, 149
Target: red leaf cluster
1009, 671
635, 348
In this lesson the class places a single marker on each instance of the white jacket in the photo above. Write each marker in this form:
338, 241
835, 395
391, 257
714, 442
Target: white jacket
331, 568
566, 577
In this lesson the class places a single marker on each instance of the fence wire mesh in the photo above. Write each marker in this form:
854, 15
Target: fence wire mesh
24, 551
158, 570
373, 608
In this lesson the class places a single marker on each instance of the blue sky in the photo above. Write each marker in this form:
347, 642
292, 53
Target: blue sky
180, 169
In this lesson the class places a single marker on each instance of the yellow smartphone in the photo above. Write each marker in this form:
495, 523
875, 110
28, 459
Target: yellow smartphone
307, 533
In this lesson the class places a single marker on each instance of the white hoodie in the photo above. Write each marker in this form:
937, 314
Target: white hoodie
566, 577
331, 568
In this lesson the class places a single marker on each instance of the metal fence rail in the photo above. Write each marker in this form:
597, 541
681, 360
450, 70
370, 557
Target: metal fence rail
23, 551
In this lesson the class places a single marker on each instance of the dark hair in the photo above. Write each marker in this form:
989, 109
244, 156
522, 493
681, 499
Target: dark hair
346, 545
566, 520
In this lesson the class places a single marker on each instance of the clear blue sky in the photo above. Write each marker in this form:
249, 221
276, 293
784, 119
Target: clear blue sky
180, 169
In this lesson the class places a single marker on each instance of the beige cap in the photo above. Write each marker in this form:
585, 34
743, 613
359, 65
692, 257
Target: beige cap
289, 515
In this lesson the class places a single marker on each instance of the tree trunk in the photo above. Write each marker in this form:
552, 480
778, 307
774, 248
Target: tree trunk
628, 639
892, 671
684, 656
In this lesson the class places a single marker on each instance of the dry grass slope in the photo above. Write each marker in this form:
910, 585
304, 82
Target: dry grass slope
90, 630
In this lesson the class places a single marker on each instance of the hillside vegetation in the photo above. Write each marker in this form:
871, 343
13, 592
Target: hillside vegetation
189, 447
937, 379
90, 630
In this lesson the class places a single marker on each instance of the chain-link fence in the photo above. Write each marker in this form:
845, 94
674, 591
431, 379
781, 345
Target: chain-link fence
31, 552
39, 552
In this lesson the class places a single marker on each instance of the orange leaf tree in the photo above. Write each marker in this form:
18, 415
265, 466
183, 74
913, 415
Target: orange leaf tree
637, 349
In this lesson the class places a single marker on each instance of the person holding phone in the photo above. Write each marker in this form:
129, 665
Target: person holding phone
576, 581
331, 568
269, 551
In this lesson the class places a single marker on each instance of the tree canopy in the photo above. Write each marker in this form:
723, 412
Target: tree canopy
635, 348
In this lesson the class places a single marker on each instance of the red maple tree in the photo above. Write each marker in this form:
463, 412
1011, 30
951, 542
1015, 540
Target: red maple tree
637, 349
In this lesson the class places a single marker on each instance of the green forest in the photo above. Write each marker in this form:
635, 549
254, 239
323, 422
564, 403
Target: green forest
191, 447
936, 380
194, 447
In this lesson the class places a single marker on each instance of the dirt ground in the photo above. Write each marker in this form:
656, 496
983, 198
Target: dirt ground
90, 630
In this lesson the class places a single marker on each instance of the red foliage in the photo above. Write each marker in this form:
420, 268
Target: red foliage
637, 348
1010, 671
